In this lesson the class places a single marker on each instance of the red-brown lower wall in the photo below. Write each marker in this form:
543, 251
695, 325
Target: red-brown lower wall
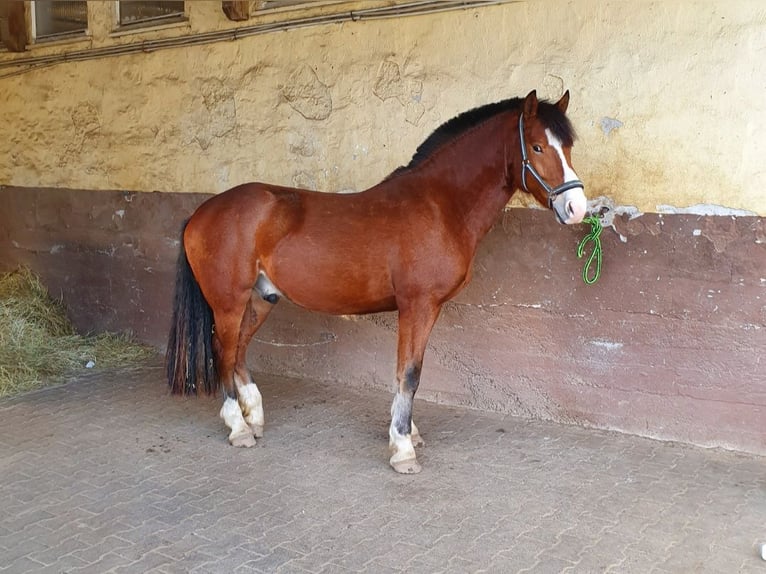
668, 344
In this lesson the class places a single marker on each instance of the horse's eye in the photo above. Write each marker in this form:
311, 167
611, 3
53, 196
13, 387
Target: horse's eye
537, 148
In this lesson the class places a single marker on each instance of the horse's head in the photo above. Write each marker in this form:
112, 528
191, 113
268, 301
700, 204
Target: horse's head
546, 138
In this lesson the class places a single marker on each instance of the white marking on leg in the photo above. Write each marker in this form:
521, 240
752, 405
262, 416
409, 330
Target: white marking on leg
400, 445
251, 396
231, 414
574, 201
252, 404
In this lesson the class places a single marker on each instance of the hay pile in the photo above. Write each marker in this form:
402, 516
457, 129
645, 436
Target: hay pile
38, 345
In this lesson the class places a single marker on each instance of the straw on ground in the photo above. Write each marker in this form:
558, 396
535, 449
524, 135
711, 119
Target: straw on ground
38, 344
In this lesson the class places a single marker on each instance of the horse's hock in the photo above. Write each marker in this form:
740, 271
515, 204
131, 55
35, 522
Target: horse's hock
667, 344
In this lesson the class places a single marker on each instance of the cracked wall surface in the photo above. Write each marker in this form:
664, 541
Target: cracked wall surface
668, 109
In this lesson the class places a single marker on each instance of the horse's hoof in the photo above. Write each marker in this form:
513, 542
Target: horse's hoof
242, 440
257, 430
409, 466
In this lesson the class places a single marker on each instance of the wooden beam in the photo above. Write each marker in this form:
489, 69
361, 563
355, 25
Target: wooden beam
236, 10
13, 26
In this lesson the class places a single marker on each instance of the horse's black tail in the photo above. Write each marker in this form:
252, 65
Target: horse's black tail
189, 358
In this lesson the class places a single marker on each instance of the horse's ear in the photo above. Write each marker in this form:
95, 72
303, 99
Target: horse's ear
563, 103
530, 104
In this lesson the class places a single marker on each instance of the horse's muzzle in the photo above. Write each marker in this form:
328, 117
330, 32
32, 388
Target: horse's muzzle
570, 204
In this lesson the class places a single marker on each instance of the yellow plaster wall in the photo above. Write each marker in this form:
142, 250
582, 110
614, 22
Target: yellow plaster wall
667, 97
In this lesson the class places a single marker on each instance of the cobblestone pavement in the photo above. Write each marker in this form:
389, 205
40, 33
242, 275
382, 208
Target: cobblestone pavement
110, 474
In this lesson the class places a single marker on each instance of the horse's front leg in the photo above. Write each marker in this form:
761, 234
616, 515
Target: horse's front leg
415, 324
417, 440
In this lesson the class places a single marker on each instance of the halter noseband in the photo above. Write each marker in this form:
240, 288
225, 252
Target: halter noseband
526, 166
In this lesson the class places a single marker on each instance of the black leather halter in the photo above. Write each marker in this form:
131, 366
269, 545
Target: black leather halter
526, 166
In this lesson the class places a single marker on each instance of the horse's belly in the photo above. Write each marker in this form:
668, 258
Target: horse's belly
331, 284
345, 306
337, 297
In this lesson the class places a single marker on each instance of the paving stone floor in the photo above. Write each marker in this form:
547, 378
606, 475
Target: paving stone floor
111, 474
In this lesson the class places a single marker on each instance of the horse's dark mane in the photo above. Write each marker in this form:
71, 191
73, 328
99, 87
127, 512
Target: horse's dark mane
549, 113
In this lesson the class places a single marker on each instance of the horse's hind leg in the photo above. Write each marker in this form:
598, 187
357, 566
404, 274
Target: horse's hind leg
249, 396
228, 324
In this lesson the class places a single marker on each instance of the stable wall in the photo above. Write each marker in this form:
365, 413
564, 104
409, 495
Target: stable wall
667, 344
666, 98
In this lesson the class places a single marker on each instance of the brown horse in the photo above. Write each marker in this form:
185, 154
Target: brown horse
406, 244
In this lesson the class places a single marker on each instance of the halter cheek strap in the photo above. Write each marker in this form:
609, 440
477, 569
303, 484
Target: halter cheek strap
526, 166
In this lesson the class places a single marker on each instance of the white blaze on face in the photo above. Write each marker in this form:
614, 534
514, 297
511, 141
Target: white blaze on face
573, 201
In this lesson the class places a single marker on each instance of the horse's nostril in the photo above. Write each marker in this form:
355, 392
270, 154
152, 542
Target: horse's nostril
570, 210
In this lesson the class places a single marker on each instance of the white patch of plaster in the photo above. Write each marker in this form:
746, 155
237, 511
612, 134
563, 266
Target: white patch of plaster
303, 179
301, 145
222, 175
360, 150
705, 209
608, 345
697, 232
307, 94
552, 88
605, 209
608, 125
630, 210
406, 88
606, 204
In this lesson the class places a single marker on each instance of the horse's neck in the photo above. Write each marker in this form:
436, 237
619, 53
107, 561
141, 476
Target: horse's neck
472, 172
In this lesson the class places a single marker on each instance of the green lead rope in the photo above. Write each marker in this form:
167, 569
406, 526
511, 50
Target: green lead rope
590, 277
